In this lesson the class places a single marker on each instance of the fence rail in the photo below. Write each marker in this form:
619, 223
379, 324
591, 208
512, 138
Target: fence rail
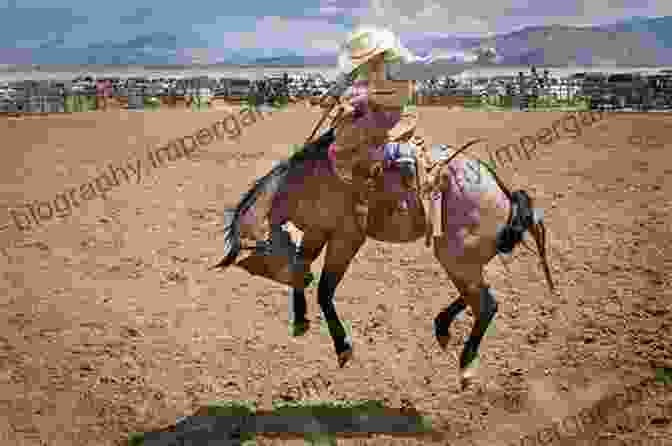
47, 97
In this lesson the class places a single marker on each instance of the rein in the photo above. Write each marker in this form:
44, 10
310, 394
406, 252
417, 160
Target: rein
321, 121
457, 152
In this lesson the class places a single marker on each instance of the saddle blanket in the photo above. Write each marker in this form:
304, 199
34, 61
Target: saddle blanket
465, 186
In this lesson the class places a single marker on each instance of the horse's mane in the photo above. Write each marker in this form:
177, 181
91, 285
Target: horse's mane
316, 150
269, 184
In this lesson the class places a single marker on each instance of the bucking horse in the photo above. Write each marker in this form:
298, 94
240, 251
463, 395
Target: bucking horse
479, 219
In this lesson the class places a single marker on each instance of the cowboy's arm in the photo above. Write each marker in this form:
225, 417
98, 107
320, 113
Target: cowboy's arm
368, 132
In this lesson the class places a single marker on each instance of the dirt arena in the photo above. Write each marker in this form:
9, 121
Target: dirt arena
110, 322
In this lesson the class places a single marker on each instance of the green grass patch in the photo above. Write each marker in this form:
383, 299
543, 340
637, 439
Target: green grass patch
324, 328
474, 363
321, 440
490, 331
296, 148
136, 439
310, 280
490, 164
231, 408
543, 103
326, 407
664, 375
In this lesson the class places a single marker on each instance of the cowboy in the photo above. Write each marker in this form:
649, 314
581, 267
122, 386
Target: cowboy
374, 125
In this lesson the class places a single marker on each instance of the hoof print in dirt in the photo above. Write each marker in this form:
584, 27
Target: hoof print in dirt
470, 383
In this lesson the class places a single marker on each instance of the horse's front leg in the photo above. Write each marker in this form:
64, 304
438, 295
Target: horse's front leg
311, 246
482, 301
340, 252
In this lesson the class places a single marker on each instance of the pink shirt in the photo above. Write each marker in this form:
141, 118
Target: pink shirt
366, 118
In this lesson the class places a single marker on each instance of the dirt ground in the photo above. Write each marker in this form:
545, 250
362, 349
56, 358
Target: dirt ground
110, 322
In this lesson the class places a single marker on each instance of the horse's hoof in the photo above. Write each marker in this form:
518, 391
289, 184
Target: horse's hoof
443, 341
344, 357
299, 328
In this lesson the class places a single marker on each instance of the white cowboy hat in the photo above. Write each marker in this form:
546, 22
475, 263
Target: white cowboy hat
366, 42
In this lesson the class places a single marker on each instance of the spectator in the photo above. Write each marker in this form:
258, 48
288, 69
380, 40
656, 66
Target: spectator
103, 92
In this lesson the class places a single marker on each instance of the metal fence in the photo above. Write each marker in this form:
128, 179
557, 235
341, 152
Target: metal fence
595, 91
47, 96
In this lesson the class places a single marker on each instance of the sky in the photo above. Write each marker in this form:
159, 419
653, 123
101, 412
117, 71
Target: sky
216, 29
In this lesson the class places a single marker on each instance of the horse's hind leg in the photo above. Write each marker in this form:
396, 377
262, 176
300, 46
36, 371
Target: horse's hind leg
475, 293
482, 301
311, 245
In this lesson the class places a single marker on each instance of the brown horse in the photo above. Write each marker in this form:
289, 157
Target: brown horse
481, 218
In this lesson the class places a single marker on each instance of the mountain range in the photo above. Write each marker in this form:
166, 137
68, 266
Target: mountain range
638, 41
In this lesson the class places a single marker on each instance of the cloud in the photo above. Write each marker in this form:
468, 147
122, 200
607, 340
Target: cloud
351, 8
306, 36
493, 16
215, 30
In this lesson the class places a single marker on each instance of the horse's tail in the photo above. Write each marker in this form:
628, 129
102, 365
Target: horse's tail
536, 228
232, 243
538, 231
268, 184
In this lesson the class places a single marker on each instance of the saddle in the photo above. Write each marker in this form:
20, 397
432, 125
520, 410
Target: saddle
428, 161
